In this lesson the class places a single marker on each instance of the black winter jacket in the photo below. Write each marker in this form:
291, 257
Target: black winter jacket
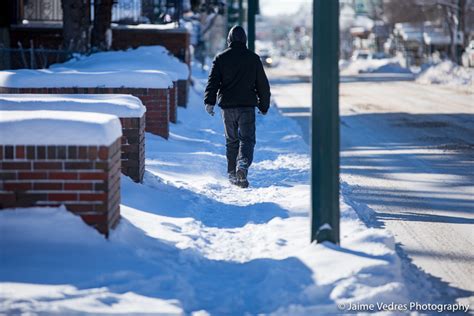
238, 79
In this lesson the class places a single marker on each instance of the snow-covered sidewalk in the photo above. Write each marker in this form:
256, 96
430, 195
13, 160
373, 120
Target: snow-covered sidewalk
188, 241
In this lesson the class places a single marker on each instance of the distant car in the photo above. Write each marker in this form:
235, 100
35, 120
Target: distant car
301, 56
267, 60
367, 55
380, 55
361, 55
468, 55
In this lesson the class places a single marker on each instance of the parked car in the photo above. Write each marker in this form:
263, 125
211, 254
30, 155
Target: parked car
361, 55
301, 55
468, 55
380, 55
367, 55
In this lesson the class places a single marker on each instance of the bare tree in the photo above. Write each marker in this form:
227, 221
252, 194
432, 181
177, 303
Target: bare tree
76, 25
452, 13
377, 10
397, 11
101, 32
466, 18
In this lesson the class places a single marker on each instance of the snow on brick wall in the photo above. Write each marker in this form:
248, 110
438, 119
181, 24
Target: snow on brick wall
156, 101
121, 105
143, 58
45, 78
58, 128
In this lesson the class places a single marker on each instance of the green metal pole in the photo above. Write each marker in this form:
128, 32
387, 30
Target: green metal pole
241, 12
251, 10
325, 123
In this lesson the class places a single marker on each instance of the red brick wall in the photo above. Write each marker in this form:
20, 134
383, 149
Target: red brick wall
174, 103
156, 102
176, 41
86, 179
133, 147
183, 92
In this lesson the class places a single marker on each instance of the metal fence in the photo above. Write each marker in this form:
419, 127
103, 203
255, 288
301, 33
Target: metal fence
31, 58
43, 10
127, 10
50, 10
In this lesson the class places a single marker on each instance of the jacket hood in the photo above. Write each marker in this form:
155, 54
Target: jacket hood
237, 35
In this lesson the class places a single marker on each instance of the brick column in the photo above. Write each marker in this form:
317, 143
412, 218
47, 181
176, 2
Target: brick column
174, 102
183, 92
133, 147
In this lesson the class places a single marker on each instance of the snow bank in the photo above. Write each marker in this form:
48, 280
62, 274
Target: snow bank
120, 105
159, 27
144, 58
447, 73
190, 241
386, 65
58, 128
67, 78
59, 236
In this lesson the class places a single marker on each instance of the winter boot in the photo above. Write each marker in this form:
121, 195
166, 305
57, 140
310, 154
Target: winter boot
233, 178
242, 178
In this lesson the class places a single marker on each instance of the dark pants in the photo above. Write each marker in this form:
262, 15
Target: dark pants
239, 124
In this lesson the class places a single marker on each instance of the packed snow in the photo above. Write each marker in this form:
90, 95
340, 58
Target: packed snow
384, 65
191, 243
447, 73
121, 105
68, 78
58, 128
159, 27
144, 58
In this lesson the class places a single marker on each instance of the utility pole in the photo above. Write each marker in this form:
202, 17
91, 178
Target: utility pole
241, 12
234, 14
251, 11
325, 123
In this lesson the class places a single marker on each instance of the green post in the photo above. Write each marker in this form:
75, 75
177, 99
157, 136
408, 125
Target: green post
325, 123
251, 11
241, 12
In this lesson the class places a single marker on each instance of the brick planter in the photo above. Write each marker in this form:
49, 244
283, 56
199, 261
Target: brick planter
156, 101
130, 111
183, 92
84, 178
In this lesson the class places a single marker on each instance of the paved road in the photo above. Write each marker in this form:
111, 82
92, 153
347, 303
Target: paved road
407, 152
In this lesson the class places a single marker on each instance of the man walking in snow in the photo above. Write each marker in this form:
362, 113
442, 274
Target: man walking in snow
239, 81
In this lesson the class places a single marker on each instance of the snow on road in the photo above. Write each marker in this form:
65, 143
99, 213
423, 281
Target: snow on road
190, 242
407, 165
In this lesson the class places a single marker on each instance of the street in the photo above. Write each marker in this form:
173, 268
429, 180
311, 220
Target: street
406, 161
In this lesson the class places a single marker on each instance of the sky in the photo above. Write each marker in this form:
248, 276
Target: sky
276, 7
